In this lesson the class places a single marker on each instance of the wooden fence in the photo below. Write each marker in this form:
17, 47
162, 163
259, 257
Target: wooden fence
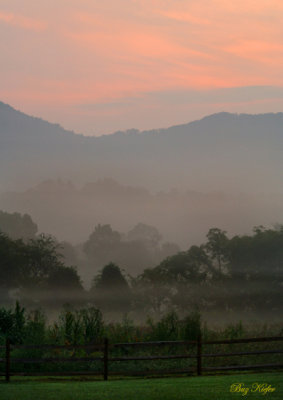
105, 348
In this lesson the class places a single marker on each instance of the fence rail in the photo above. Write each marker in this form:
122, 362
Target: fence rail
105, 357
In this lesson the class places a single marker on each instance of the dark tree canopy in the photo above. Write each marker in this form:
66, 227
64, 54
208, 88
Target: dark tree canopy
34, 265
244, 272
217, 246
110, 289
110, 278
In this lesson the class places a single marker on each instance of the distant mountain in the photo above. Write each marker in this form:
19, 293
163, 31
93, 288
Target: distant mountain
226, 152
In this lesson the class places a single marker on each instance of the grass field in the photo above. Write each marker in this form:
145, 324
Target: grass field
190, 388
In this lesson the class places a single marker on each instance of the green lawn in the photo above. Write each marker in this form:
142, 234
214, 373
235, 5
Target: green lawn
190, 388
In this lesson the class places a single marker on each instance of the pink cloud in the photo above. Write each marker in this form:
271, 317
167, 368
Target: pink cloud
261, 51
144, 44
185, 17
22, 22
98, 52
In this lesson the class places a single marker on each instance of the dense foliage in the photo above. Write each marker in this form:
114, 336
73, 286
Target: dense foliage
34, 266
242, 273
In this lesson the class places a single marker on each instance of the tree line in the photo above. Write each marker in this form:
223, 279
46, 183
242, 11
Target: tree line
239, 273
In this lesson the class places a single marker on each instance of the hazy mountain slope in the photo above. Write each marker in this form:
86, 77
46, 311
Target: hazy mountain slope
32, 149
220, 152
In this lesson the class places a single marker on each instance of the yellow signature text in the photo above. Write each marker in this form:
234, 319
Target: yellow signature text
262, 388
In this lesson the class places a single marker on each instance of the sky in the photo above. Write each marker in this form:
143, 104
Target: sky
97, 66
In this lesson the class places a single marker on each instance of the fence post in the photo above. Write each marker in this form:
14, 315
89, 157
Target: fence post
105, 374
8, 349
199, 353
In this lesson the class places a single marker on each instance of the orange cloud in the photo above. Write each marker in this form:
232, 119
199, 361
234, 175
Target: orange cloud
260, 51
144, 44
22, 22
185, 17
249, 6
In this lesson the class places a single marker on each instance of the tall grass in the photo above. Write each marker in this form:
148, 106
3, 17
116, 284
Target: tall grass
86, 326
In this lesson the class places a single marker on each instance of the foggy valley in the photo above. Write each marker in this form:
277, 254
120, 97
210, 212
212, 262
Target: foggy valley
146, 203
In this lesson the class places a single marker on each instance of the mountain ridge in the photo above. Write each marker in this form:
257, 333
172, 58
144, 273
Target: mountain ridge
8, 107
222, 151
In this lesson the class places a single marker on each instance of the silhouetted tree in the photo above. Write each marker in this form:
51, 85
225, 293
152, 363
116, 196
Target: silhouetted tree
110, 288
110, 278
217, 247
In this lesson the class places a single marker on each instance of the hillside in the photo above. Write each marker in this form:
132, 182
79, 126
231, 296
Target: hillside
226, 152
